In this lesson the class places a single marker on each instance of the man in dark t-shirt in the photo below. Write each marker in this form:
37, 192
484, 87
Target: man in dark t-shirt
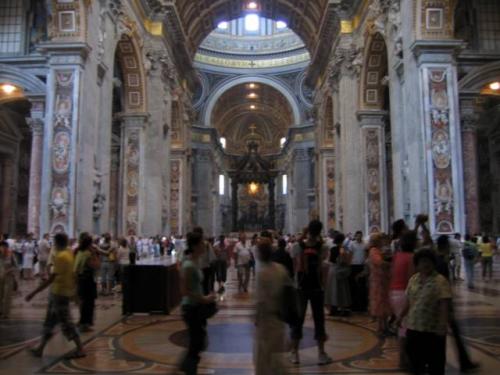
308, 255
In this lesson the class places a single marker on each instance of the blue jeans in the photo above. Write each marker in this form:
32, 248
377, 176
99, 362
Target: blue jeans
469, 272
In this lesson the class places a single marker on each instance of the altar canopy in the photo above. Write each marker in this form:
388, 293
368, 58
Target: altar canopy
253, 181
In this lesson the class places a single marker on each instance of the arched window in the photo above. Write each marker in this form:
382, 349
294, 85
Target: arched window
11, 27
252, 22
222, 184
284, 185
223, 142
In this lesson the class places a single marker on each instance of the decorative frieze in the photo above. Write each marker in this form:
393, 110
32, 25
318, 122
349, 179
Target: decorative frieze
330, 193
62, 150
439, 133
132, 128
372, 130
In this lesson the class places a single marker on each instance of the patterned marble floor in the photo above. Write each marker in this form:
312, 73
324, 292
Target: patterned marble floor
153, 344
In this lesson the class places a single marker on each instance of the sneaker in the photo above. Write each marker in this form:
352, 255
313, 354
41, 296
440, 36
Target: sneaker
294, 357
324, 359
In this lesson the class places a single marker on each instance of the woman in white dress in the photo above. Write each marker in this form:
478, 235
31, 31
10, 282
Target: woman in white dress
270, 330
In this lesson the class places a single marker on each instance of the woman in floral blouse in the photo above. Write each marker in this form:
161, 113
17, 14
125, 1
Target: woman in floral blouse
426, 312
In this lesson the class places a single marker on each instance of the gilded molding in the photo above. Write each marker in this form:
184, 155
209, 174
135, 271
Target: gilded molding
252, 64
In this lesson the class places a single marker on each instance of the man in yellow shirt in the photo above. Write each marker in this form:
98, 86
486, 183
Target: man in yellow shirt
62, 290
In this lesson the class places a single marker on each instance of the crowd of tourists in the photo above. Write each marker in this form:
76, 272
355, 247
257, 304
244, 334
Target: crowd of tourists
402, 280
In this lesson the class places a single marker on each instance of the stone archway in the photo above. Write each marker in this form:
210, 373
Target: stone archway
374, 117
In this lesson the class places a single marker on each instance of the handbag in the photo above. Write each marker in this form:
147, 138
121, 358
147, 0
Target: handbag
290, 311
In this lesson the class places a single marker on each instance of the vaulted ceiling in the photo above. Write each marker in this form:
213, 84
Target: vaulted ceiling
264, 117
190, 21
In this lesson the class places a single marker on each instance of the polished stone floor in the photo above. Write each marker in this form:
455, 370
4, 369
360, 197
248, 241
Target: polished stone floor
144, 344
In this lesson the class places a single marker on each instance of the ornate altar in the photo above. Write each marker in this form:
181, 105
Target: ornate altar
253, 191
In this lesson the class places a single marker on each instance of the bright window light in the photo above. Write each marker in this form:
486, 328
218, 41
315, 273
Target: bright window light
285, 184
282, 142
281, 25
495, 86
223, 142
223, 25
252, 22
252, 5
8, 88
222, 184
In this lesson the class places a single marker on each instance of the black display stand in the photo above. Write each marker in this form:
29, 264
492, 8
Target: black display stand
150, 289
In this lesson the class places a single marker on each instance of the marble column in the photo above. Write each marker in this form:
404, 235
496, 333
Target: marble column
375, 182
65, 155
470, 167
35, 184
7, 196
132, 161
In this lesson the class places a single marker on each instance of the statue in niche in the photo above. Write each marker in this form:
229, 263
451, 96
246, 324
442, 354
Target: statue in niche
38, 20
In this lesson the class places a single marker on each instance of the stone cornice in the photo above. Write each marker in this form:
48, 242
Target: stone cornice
432, 51
65, 53
372, 118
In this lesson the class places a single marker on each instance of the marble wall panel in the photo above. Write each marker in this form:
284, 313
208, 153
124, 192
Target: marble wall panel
62, 150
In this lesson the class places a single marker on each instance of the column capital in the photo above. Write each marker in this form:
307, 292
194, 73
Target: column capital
373, 118
36, 125
436, 51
